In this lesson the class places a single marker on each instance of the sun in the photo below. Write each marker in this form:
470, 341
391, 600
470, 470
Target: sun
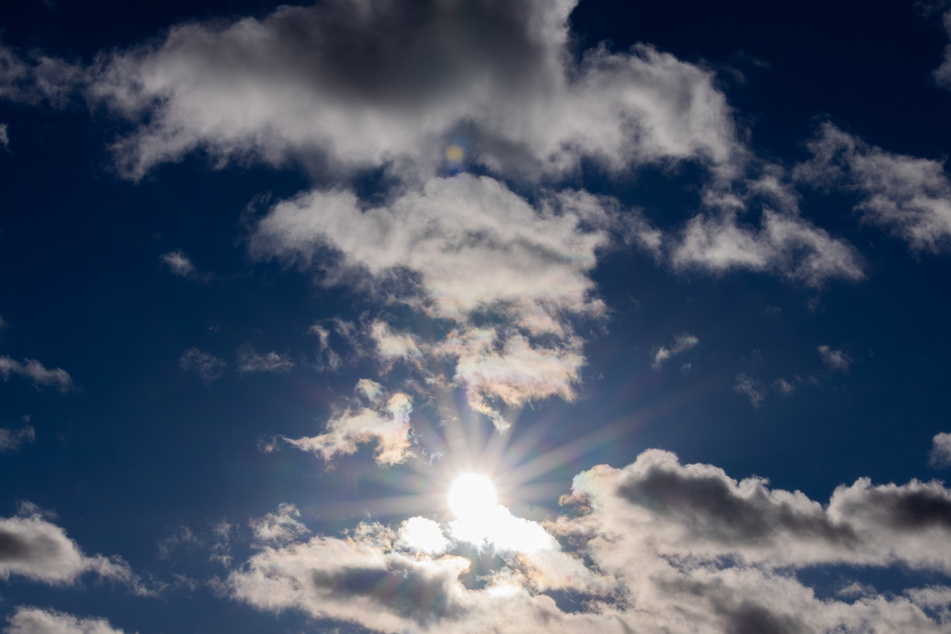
472, 496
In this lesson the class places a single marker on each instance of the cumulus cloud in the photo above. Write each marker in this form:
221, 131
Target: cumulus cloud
11, 440
33, 548
31, 620
251, 361
656, 546
835, 359
682, 343
940, 455
380, 418
37, 372
908, 195
386, 82
208, 367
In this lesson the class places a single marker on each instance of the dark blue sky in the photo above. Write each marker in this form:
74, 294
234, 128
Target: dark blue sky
724, 234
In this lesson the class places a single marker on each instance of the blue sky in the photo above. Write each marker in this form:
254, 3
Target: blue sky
671, 280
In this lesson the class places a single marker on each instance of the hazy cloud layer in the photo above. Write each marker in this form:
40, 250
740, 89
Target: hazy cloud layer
30, 620
657, 546
36, 372
32, 547
909, 196
13, 439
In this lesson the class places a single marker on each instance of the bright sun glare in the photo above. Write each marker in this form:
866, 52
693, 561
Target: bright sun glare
472, 496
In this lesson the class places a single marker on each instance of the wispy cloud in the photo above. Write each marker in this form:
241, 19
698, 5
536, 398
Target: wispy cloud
683, 342
908, 195
11, 440
4, 137
36, 372
208, 367
835, 359
251, 361
180, 264
750, 388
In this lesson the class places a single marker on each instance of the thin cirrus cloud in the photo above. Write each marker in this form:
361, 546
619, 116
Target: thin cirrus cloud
645, 548
36, 372
12, 440
835, 359
207, 366
33, 620
249, 361
682, 343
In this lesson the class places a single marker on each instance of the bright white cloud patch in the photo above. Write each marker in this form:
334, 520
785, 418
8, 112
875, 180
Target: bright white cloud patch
941, 450
36, 372
30, 620
381, 419
908, 195
33, 548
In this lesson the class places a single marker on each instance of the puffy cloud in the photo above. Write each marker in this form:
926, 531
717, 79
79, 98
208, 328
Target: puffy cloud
835, 359
11, 440
476, 247
656, 546
682, 343
251, 361
34, 548
279, 528
208, 367
381, 419
386, 82
31, 620
37, 372
940, 455
909, 195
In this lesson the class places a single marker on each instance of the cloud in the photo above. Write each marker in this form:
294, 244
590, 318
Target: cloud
12, 440
207, 367
835, 359
784, 243
181, 265
379, 418
751, 389
389, 83
251, 361
908, 195
655, 546
31, 620
37, 372
682, 343
942, 74
38, 78
475, 247
784, 386
34, 548
4, 137
940, 455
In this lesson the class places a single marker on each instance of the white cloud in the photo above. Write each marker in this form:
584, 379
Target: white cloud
751, 389
374, 83
657, 546
909, 195
251, 361
31, 620
380, 419
835, 359
37, 372
11, 440
208, 367
180, 264
940, 455
683, 342
34, 548
279, 528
